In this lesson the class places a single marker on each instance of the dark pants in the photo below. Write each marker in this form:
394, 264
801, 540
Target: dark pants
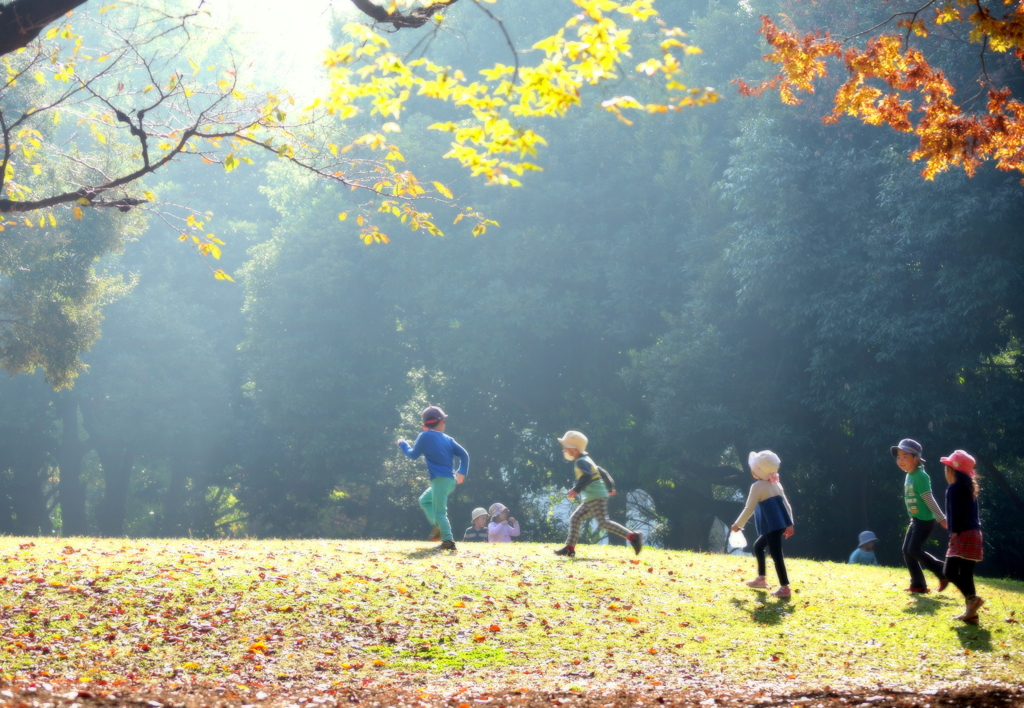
960, 572
773, 540
916, 557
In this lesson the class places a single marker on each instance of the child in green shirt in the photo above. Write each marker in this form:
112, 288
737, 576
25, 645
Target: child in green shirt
923, 510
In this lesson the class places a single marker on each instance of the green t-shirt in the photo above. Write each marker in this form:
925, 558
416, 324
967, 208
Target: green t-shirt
917, 484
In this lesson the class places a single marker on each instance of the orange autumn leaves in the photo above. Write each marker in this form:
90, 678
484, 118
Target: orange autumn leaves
892, 82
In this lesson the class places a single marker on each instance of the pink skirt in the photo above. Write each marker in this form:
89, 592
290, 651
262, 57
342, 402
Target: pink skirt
966, 544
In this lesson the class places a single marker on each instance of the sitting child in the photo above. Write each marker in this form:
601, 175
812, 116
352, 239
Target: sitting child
478, 531
502, 528
863, 553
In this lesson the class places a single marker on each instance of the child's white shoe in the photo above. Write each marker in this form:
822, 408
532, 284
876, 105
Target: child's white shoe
782, 592
758, 582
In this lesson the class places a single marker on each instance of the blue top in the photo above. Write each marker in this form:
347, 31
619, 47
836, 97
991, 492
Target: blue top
962, 505
862, 557
771, 515
439, 450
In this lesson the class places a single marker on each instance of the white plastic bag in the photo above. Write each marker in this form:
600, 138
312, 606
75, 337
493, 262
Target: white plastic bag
737, 539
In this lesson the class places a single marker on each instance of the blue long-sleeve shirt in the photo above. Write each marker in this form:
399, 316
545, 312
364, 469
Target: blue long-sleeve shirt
440, 451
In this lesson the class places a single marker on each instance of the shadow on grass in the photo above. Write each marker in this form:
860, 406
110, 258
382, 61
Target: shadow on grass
764, 611
425, 552
1006, 584
923, 605
974, 637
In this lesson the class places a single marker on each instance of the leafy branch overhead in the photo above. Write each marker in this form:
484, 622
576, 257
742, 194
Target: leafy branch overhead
495, 137
140, 111
895, 79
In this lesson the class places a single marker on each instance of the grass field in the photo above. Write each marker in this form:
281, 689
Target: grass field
171, 612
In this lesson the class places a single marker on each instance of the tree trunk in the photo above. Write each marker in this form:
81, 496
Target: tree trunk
71, 460
689, 514
23, 452
117, 460
177, 519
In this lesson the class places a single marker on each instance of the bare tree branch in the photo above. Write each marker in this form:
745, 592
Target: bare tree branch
417, 17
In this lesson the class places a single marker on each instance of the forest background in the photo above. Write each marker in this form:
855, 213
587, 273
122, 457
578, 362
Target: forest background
734, 277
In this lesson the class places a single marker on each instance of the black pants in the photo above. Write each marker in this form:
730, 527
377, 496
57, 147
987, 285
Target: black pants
916, 557
960, 572
773, 540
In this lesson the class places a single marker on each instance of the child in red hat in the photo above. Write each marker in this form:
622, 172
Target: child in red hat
965, 540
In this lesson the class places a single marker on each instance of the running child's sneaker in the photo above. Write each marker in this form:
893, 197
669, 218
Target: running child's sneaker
446, 546
782, 592
920, 590
637, 541
757, 583
943, 584
566, 551
435, 534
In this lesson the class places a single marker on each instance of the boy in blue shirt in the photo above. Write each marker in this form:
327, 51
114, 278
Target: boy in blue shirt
864, 553
439, 451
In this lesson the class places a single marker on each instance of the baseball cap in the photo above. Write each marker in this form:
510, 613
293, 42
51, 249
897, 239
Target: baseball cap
433, 414
960, 461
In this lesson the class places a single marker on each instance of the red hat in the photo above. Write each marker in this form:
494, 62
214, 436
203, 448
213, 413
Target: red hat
960, 461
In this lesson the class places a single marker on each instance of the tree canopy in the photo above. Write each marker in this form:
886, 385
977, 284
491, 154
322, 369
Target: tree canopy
903, 72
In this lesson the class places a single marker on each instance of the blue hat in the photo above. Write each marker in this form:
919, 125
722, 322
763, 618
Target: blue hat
866, 536
908, 445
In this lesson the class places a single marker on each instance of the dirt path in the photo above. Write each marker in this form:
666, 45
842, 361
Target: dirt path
44, 695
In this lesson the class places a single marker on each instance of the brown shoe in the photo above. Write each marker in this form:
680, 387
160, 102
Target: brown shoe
446, 546
970, 613
973, 605
435, 534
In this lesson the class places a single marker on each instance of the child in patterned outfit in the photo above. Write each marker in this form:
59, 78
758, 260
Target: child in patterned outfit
923, 510
594, 485
965, 540
773, 518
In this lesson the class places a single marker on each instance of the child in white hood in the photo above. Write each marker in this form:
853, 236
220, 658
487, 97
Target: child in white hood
502, 528
773, 518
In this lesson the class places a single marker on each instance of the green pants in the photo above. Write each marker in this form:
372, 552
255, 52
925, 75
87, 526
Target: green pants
434, 503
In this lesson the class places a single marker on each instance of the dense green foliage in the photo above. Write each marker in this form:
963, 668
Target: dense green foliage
683, 290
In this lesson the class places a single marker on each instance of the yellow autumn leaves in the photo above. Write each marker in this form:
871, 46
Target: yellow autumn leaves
490, 144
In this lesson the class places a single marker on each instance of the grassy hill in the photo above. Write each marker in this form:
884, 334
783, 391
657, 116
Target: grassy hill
170, 613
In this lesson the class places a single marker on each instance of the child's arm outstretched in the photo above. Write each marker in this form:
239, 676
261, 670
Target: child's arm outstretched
933, 506
412, 452
752, 499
